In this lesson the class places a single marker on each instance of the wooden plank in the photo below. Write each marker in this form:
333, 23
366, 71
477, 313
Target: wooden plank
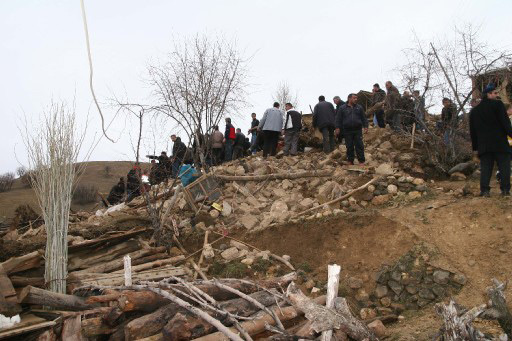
110, 239
105, 254
22, 263
118, 279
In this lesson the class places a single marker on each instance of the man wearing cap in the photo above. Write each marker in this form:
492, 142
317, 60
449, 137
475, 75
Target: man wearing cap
489, 127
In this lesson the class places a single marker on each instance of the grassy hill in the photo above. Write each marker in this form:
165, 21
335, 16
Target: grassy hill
95, 175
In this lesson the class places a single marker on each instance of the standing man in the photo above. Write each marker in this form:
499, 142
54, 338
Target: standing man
390, 106
339, 102
448, 119
271, 124
239, 144
254, 133
178, 154
291, 129
351, 122
217, 138
323, 119
489, 127
229, 139
378, 98
406, 106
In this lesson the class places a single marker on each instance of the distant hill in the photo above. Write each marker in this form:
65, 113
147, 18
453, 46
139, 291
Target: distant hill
95, 174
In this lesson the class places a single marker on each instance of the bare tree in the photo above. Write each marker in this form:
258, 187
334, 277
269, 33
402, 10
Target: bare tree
446, 68
202, 80
284, 94
52, 150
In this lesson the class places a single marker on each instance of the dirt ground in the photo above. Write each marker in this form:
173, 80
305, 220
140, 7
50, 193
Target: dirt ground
471, 234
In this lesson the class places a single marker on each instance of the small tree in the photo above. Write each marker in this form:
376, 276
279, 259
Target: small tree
283, 94
6, 181
52, 150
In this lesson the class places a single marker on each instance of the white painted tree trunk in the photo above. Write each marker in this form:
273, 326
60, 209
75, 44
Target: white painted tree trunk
333, 281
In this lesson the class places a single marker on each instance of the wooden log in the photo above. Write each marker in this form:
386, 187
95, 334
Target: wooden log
93, 327
186, 326
22, 263
459, 326
8, 299
72, 328
19, 281
114, 279
89, 258
333, 281
118, 263
150, 324
277, 176
113, 239
323, 318
343, 197
257, 325
205, 242
146, 301
154, 264
189, 260
37, 296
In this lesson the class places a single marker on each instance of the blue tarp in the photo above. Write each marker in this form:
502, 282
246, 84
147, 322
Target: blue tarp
186, 174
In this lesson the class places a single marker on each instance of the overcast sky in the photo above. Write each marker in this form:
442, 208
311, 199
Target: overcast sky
318, 47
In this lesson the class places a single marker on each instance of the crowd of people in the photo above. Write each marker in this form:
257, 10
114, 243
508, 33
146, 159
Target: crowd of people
343, 121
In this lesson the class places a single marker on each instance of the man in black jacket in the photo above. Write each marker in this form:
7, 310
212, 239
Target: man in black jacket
178, 154
291, 129
323, 119
489, 127
379, 96
239, 144
351, 122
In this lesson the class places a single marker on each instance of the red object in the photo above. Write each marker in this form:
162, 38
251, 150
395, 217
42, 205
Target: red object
232, 134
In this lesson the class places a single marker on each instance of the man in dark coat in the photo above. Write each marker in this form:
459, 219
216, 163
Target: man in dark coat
178, 154
393, 117
239, 144
291, 129
323, 119
133, 182
489, 127
351, 121
116, 193
378, 98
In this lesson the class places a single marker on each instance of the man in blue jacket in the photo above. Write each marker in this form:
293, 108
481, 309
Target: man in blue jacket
350, 121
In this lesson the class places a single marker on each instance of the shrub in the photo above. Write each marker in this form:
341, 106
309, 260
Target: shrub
85, 194
6, 181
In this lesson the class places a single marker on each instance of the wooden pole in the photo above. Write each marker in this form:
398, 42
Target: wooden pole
333, 281
127, 271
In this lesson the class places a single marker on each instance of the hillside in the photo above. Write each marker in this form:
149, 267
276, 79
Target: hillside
94, 175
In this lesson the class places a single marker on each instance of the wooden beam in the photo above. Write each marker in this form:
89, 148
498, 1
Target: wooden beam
37, 296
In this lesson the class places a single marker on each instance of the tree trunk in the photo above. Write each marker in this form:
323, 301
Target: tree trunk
22, 263
37, 296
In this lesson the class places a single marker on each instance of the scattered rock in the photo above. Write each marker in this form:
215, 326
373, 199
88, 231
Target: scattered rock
230, 254
248, 261
414, 195
441, 276
238, 245
355, 283
385, 301
418, 181
381, 291
457, 176
426, 294
226, 209
249, 221
380, 199
396, 287
378, 328
459, 279
384, 169
392, 189
367, 313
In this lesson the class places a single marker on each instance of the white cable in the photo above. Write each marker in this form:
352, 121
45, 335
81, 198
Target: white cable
91, 71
